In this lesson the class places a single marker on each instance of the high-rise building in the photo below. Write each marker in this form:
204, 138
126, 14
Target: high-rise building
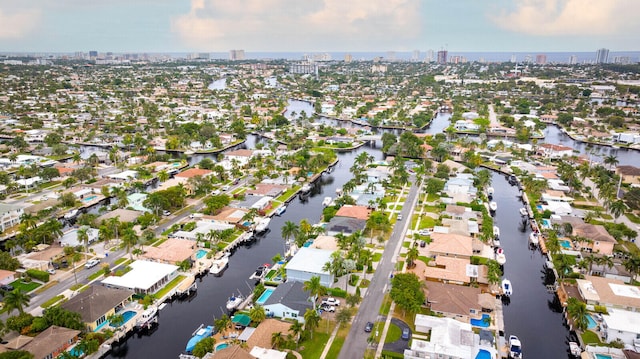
415, 56
442, 56
624, 60
602, 56
93, 54
573, 60
236, 55
513, 58
541, 59
429, 57
348, 58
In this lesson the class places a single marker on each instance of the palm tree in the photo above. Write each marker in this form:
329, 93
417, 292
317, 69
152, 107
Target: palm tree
611, 160
412, 255
257, 314
632, 264
83, 237
289, 229
277, 339
295, 329
163, 176
552, 243
311, 320
605, 261
617, 208
223, 323
16, 299
577, 312
129, 240
28, 221
315, 288
590, 260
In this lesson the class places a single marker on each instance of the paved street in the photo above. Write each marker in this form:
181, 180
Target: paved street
370, 307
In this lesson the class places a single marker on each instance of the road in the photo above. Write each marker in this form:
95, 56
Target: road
370, 307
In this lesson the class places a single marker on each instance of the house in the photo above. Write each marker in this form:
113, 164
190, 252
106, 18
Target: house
52, 342
264, 189
70, 239
231, 215
611, 293
462, 125
10, 215
242, 157
266, 353
630, 174
260, 203
289, 301
554, 151
309, 262
358, 212
626, 137
171, 251
97, 303
193, 172
454, 301
144, 277
448, 270
136, 201
345, 225
202, 227
598, 239
7, 276
460, 186
622, 325
450, 245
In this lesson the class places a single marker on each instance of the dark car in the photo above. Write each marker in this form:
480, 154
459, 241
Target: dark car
423, 244
405, 334
6, 288
368, 327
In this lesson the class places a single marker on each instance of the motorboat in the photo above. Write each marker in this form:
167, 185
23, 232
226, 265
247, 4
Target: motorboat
71, 214
262, 225
575, 349
339, 191
493, 206
507, 289
524, 212
490, 192
260, 272
533, 238
500, 256
515, 347
219, 264
496, 232
496, 242
326, 201
234, 301
147, 317
305, 188
281, 210
200, 333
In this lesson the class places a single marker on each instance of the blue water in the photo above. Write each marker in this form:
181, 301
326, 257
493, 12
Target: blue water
126, 316
308, 244
201, 253
89, 199
76, 352
603, 356
101, 326
221, 346
265, 295
565, 244
546, 223
481, 322
539, 207
483, 354
592, 322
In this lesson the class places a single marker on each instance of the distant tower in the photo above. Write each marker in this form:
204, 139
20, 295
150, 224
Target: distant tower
602, 56
442, 56
573, 60
348, 58
235, 55
415, 56
541, 59
513, 58
429, 57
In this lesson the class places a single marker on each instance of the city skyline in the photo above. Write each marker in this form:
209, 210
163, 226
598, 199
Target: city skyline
315, 26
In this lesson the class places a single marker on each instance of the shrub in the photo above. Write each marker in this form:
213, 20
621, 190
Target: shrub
38, 274
337, 292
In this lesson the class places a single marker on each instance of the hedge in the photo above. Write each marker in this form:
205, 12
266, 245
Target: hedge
38, 275
337, 292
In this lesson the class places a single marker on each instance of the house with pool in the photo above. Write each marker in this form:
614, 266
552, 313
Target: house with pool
97, 303
309, 262
288, 301
611, 293
52, 342
145, 277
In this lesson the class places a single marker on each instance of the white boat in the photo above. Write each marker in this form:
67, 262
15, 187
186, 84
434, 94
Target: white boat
533, 238
147, 318
188, 152
496, 242
262, 225
326, 201
305, 188
219, 264
200, 333
490, 192
339, 191
500, 257
524, 212
507, 289
281, 210
493, 206
71, 214
515, 347
234, 301
496, 232
575, 349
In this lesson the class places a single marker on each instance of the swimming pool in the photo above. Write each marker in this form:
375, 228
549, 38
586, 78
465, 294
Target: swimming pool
265, 295
89, 199
483, 354
603, 356
201, 253
565, 244
484, 322
221, 346
539, 207
126, 316
546, 223
592, 322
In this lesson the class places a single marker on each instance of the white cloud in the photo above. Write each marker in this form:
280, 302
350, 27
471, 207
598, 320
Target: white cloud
569, 17
280, 25
14, 25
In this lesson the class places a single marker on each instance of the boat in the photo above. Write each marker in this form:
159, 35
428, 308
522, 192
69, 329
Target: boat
507, 289
326, 201
496, 232
219, 264
147, 318
260, 272
188, 152
515, 347
500, 257
262, 225
339, 191
200, 333
493, 206
71, 214
524, 212
490, 192
281, 210
575, 349
496, 242
234, 301
533, 238
305, 188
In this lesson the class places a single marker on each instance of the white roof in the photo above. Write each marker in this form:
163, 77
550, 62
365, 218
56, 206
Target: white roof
125, 175
311, 260
623, 320
264, 353
448, 337
143, 275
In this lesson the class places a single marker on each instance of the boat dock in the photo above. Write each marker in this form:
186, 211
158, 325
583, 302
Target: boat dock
187, 286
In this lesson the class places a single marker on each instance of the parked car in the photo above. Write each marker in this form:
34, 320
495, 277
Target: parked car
328, 308
368, 327
51, 271
6, 288
226, 188
399, 218
331, 301
423, 244
424, 232
166, 213
405, 334
91, 263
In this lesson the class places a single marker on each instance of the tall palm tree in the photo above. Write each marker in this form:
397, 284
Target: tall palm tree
612, 161
632, 264
289, 229
83, 237
315, 288
577, 312
277, 339
257, 314
311, 320
16, 299
295, 329
617, 208
129, 240
28, 221
412, 255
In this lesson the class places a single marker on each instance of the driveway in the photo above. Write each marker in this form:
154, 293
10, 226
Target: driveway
399, 345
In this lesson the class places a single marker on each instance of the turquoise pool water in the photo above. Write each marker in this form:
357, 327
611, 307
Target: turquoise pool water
592, 322
481, 322
126, 316
201, 253
565, 244
603, 356
89, 199
483, 354
307, 244
546, 223
221, 346
539, 207
265, 295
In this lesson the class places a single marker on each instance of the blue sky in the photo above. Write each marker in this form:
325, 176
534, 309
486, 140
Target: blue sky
318, 25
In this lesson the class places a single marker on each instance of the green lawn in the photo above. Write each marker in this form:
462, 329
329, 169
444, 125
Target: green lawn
425, 259
170, 286
589, 337
313, 347
393, 333
427, 222
25, 287
377, 256
338, 342
52, 301
633, 218
432, 197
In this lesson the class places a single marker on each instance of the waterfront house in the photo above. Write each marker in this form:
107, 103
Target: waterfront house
345, 225
97, 303
231, 215
289, 301
10, 215
261, 203
145, 277
309, 262
7, 276
598, 240
460, 186
448, 270
630, 174
136, 201
52, 342
171, 251
450, 245
266, 353
357, 212
264, 189
550, 150
447, 338
204, 227
454, 301
621, 325
242, 157
611, 293
70, 239
626, 137
193, 172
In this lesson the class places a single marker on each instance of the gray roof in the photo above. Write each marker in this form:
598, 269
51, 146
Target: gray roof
345, 225
291, 295
247, 202
48, 341
96, 301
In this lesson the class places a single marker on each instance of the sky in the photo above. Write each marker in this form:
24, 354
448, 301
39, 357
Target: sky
318, 25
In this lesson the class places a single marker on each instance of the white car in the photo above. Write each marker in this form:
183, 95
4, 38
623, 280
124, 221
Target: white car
424, 232
51, 271
91, 263
331, 301
328, 308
